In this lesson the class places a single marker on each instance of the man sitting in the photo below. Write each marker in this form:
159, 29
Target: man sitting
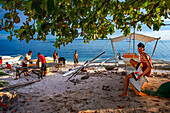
8, 65
143, 68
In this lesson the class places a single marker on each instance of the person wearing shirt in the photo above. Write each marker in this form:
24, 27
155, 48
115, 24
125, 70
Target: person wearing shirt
1, 62
8, 65
27, 60
42, 59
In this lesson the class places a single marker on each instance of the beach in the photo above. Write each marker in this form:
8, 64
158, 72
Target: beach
95, 91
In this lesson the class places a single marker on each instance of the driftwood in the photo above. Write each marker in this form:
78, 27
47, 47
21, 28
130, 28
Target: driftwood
16, 85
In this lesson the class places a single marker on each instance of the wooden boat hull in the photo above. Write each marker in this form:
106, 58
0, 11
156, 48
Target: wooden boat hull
10, 59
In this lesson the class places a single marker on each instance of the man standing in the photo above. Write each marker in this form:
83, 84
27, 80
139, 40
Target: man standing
55, 56
26, 61
75, 59
42, 59
143, 68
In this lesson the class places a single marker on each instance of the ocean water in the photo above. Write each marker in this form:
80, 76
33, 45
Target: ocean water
85, 51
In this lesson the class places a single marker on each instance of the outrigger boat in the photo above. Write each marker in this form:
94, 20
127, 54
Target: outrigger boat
133, 36
11, 59
136, 85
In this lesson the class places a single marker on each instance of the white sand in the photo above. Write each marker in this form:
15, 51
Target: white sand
98, 93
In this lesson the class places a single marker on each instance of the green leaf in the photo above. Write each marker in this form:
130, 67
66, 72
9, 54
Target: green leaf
6, 23
21, 8
9, 38
99, 5
50, 6
36, 5
16, 19
20, 31
28, 4
7, 15
168, 3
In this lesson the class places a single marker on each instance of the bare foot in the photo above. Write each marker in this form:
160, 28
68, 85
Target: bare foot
123, 95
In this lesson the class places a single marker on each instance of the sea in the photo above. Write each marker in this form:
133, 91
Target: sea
85, 51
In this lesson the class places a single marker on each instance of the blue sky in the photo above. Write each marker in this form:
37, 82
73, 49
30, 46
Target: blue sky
164, 32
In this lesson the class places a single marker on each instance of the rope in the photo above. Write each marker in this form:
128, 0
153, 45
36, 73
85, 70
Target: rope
158, 55
163, 51
165, 46
102, 50
158, 52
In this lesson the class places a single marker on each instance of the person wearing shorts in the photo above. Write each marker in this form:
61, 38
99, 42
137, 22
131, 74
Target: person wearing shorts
55, 56
75, 59
26, 61
143, 68
42, 59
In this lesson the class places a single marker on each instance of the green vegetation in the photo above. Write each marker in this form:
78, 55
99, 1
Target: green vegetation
90, 19
3, 83
2, 73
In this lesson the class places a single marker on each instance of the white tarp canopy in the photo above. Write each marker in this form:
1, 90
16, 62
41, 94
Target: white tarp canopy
139, 37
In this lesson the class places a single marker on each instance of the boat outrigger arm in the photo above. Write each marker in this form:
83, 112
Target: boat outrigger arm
75, 71
134, 36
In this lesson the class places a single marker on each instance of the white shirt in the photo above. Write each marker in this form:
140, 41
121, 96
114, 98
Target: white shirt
28, 57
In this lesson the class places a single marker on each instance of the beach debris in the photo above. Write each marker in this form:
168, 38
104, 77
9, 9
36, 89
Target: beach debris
16, 85
155, 100
123, 73
120, 106
75, 81
167, 103
42, 100
107, 88
84, 70
84, 77
5, 106
58, 95
13, 111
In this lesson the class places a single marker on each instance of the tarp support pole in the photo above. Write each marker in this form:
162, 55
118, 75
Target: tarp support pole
129, 45
155, 46
134, 42
113, 48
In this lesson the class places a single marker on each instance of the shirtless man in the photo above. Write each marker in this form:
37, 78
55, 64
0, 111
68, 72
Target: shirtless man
145, 65
75, 59
55, 56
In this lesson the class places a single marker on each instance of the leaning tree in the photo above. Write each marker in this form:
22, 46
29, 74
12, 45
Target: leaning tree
90, 19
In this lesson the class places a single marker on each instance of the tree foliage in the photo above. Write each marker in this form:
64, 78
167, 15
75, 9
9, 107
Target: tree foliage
90, 19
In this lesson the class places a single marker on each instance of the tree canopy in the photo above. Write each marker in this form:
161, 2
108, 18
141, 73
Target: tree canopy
90, 19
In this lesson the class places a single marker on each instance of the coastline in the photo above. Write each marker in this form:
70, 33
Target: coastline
97, 92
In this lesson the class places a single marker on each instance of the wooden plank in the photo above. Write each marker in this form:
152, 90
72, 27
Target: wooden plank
21, 84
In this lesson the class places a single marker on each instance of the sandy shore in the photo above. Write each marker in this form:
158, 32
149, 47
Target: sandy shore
91, 92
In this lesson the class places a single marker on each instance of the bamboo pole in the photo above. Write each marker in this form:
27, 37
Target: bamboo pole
113, 48
134, 42
21, 84
155, 46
